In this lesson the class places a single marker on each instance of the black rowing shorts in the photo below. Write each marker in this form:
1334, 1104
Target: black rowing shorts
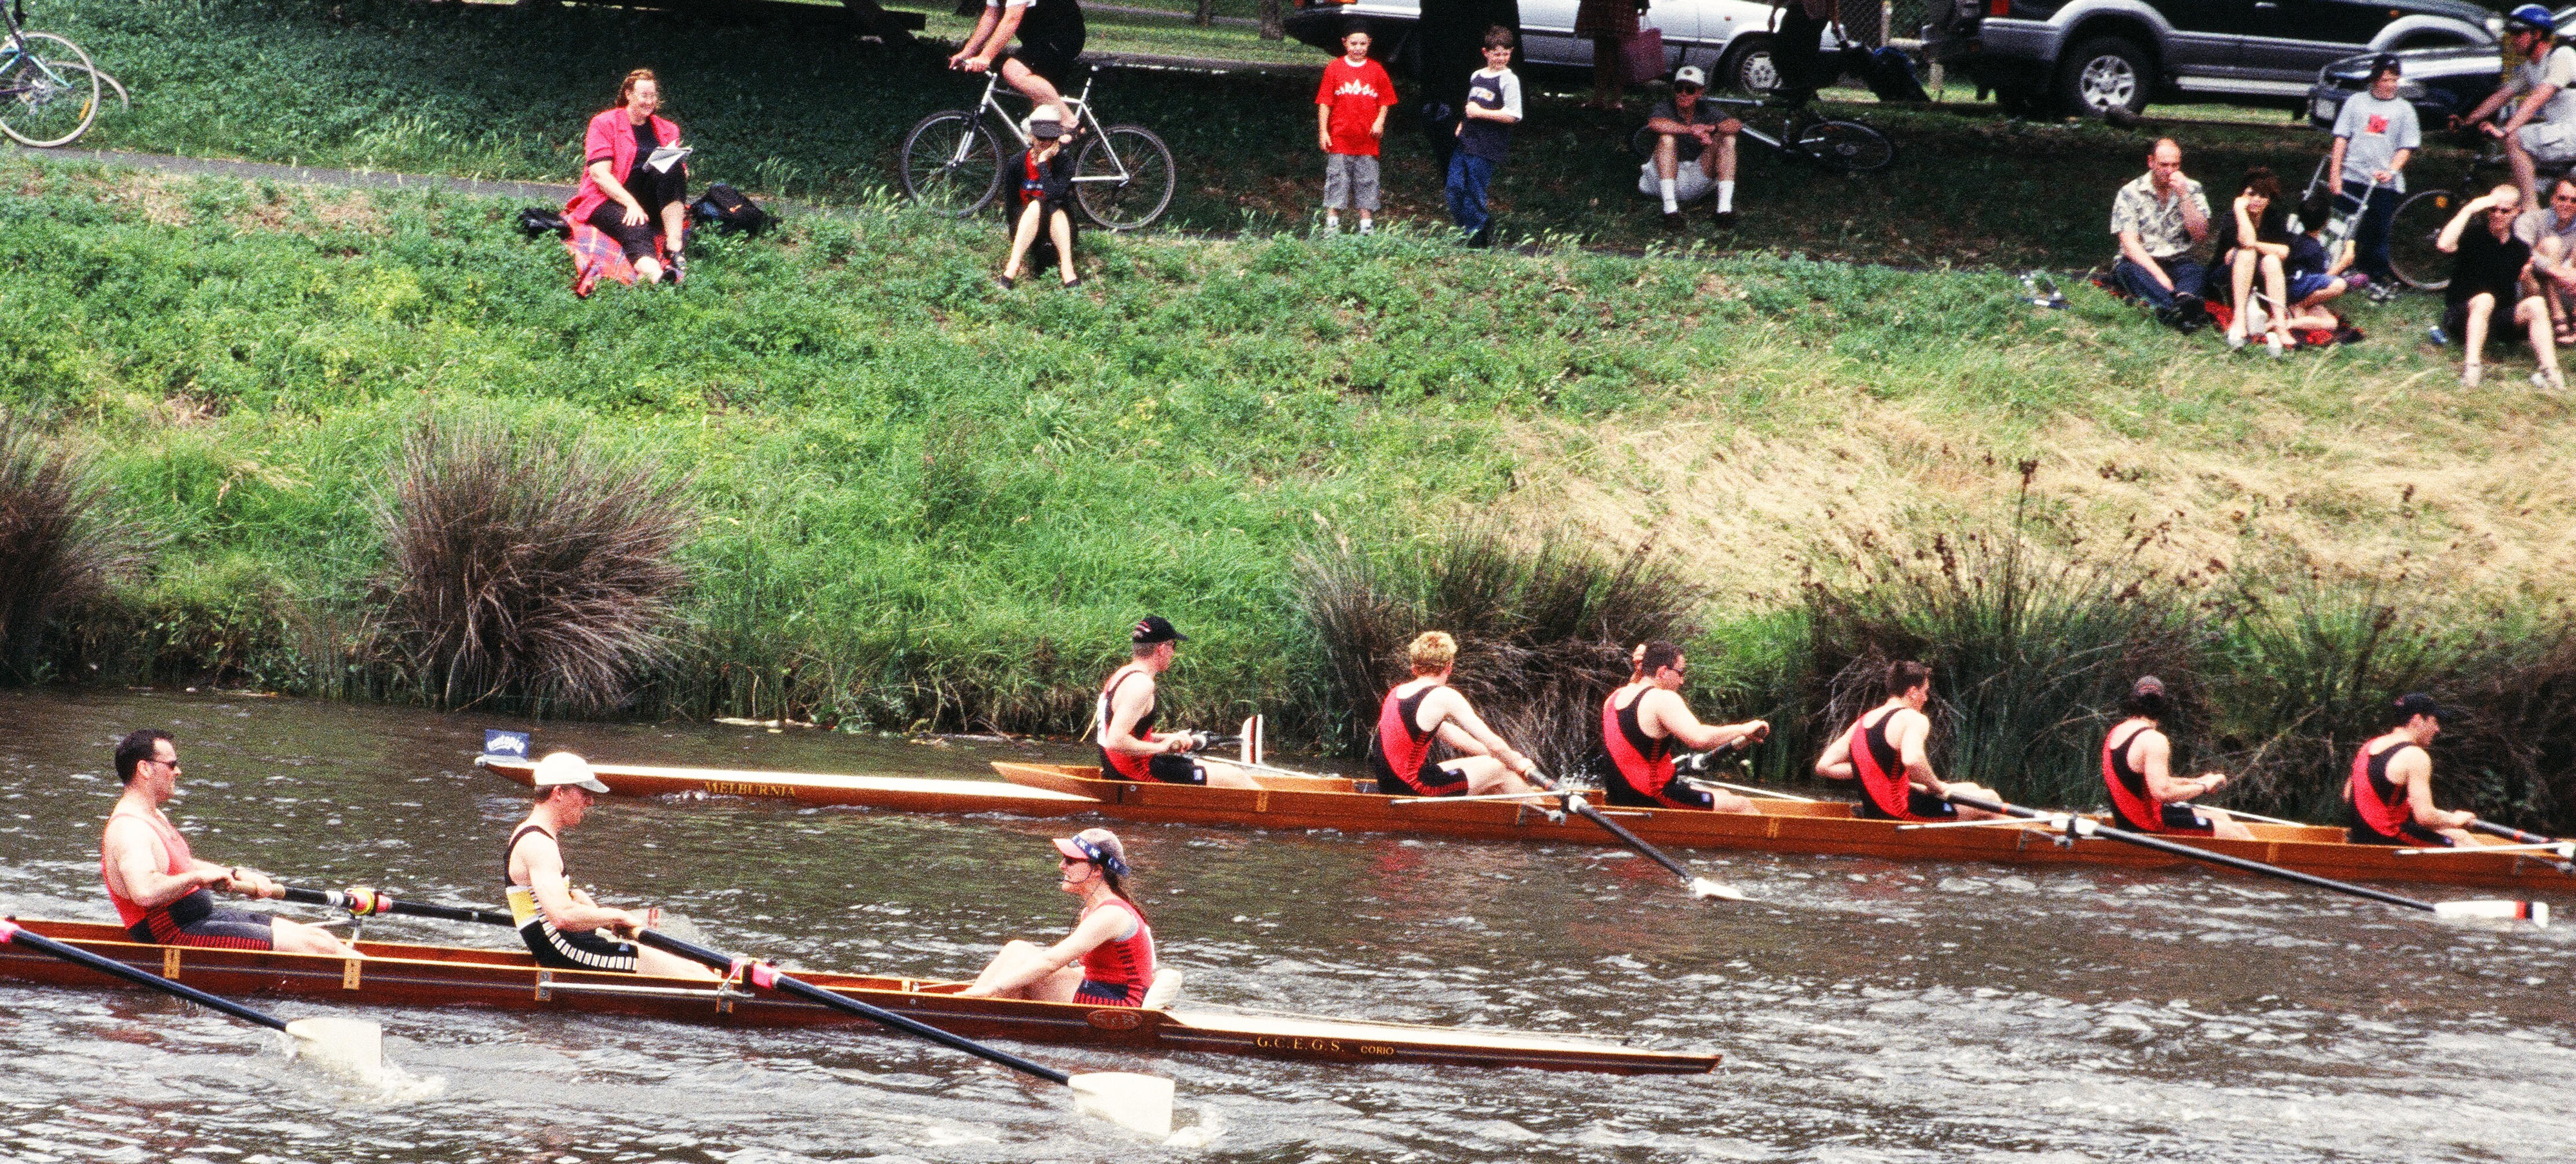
583, 951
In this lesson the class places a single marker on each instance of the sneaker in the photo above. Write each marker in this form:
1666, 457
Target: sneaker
2549, 381
1367, 226
2435, 336
1483, 238
1725, 219
2273, 343
2383, 292
2470, 374
2189, 304
679, 270
1332, 227
1672, 220
1005, 282
2236, 339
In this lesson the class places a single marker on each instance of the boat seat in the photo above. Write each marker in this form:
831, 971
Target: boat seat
1166, 987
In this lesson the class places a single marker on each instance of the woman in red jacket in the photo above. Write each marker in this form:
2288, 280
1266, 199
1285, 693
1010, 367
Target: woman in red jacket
620, 194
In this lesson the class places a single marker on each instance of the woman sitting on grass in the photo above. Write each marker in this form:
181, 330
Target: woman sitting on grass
1040, 182
621, 194
2255, 239
2488, 270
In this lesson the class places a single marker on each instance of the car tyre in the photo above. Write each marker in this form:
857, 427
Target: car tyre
1748, 66
2102, 72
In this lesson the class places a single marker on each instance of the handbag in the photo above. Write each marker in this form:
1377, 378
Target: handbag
1641, 55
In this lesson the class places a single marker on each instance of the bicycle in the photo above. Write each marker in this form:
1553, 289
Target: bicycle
1844, 147
1123, 176
48, 88
2420, 219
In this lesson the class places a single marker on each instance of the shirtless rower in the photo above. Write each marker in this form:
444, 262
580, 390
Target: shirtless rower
1129, 749
556, 920
1639, 723
1884, 750
2391, 787
1425, 708
161, 889
2146, 796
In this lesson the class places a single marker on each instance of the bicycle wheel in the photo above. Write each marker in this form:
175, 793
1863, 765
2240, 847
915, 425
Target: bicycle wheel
951, 164
1845, 146
48, 91
1124, 178
2411, 253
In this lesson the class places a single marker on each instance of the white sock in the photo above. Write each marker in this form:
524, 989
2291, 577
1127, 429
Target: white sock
1671, 205
1725, 197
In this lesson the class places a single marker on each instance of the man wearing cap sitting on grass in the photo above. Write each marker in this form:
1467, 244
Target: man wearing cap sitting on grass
557, 921
1688, 133
1129, 749
2391, 787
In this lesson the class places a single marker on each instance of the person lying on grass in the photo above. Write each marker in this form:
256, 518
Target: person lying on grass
1040, 181
2489, 271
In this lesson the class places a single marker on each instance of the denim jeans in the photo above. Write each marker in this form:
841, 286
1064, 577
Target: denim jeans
1469, 175
2187, 277
2370, 236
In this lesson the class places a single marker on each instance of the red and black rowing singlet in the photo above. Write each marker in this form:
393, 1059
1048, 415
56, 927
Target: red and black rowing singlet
2381, 812
193, 919
1402, 757
1119, 763
2136, 808
1885, 793
1118, 972
1643, 764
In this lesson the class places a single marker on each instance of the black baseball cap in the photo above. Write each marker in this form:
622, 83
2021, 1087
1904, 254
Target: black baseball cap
2417, 703
1154, 629
2384, 63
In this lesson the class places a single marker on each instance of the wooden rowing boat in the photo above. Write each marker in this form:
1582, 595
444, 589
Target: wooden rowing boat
1316, 802
398, 974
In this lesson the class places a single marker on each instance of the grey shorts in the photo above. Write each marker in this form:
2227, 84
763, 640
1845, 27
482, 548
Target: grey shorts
1350, 180
2549, 144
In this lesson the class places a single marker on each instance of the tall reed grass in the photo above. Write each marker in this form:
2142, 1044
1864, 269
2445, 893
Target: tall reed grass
62, 545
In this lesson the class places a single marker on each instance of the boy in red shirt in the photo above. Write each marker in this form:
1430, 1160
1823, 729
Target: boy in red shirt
1350, 119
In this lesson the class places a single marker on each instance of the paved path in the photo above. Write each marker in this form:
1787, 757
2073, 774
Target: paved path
546, 192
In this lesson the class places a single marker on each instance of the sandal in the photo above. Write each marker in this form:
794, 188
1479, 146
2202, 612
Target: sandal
2562, 331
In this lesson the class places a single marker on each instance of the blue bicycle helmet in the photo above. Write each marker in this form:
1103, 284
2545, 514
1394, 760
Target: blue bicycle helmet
2530, 17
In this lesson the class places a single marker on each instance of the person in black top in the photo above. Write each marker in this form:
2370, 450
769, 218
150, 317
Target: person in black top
2488, 270
1039, 181
1051, 35
2255, 239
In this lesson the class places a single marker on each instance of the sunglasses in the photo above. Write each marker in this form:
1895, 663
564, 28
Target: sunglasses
1686, 89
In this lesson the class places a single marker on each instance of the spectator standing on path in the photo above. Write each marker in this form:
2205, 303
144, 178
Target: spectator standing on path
2374, 136
2159, 218
1350, 122
1694, 151
2488, 274
1484, 135
1609, 24
1797, 50
621, 193
2550, 232
2542, 129
1039, 181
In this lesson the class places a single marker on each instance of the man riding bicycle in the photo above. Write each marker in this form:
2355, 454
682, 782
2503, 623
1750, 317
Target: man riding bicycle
2542, 129
1051, 35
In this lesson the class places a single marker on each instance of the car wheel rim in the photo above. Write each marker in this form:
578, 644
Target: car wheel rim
2107, 81
1759, 76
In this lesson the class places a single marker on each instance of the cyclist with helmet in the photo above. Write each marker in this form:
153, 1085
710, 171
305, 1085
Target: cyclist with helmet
2542, 129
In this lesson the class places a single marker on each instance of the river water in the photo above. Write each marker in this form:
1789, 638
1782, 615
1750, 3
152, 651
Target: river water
1868, 1011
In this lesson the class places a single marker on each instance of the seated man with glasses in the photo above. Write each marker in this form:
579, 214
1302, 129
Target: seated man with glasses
1640, 724
160, 889
1689, 133
2550, 232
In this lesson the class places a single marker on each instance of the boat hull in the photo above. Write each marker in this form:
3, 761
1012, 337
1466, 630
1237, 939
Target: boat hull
400, 974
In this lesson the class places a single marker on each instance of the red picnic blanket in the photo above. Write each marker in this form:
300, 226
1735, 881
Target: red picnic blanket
595, 256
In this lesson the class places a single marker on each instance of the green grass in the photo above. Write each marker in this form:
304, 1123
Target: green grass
504, 91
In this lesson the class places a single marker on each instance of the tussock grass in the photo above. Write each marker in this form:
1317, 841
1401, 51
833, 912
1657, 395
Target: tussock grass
62, 545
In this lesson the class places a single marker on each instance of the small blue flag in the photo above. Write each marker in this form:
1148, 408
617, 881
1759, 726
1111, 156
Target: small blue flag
500, 743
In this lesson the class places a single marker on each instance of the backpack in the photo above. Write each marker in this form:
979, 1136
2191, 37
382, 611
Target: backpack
725, 209
1890, 74
537, 220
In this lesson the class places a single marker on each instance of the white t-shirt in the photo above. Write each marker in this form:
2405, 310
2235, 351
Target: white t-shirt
2556, 67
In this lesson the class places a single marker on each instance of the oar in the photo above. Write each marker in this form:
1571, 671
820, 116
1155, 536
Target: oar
347, 1045
1748, 790
2537, 912
1130, 1100
367, 902
2493, 829
1701, 888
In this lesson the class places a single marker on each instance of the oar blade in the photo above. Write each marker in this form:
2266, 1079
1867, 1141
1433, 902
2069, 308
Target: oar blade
1137, 1102
1707, 890
351, 1047
2535, 912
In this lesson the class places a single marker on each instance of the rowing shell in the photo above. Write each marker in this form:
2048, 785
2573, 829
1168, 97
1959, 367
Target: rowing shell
397, 974
1314, 802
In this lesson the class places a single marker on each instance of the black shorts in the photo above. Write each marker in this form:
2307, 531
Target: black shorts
636, 241
2410, 835
1676, 794
1434, 780
583, 951
193, 920
1917, 801
1108, 994
1171, 769
1059, 61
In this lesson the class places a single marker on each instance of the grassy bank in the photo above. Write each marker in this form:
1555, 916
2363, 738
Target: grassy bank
504, 91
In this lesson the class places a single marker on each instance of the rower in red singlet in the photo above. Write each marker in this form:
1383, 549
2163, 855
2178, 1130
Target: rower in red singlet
2391, 787
1108, 959
1884, 750
161, 889
560, 923
1425, 709
1639, 723
1129, 748
2145, 795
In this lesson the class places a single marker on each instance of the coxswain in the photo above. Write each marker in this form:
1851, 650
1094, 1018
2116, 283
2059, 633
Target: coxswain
1108, 959
2391, 787
1640, 722
1425, 708
1884, 750
162, 891
1129, 748
2145, 795
558, 922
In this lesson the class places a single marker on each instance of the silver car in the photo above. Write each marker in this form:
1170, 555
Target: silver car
1729, 38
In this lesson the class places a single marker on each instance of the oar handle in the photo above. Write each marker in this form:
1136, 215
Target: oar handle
2094, 828
762, 975
15, 934
364, 902
2493, 829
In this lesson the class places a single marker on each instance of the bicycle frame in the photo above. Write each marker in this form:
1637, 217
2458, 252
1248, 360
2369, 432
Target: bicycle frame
1777, 145
15, 47
1087, 120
